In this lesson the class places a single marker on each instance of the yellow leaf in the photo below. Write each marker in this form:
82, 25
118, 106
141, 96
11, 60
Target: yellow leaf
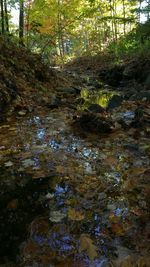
86, 244
75, 215
39, 174
60, 169
111, 160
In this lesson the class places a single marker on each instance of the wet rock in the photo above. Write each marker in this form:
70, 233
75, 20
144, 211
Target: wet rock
80, 101
132, 147
70, 90
137, 69
113, 76
90, 122
96, 108
141, 95
55, 102
115, 101
129, 93
138, 120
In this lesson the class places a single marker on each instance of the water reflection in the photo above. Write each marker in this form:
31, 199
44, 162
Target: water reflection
113, 177
59, 190
119, 206
44, 146
53, 144
40, 133
128, 115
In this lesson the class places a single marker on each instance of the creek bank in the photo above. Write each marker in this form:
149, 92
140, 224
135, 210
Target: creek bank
27, 82
131, 76
77, 199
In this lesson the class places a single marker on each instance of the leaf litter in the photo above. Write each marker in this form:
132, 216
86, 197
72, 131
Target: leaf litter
82, 198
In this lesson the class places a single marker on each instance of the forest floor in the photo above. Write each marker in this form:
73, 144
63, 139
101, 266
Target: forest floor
74, 166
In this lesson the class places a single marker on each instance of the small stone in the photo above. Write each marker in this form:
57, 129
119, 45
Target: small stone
115, 101
22, 112
95, 108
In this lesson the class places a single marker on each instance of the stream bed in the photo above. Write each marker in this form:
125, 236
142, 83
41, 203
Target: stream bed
69, 199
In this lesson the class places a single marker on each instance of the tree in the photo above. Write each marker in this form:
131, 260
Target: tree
76, 26
21, 22
6, 16
2, 17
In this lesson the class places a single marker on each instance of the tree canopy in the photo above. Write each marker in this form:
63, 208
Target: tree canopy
62, 29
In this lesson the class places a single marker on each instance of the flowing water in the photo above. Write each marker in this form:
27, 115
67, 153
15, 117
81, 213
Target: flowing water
69, 199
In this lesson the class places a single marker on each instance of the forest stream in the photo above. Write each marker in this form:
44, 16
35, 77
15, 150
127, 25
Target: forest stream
70, 198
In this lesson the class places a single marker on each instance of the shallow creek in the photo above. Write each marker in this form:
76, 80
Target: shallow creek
71, 200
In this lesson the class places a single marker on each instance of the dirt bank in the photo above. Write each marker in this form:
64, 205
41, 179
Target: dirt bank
25, 80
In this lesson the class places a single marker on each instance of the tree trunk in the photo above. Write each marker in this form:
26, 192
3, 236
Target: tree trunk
21, 22
2, 17
28, 9
115, 21
148, 13
140, 3
124, 17
6, 16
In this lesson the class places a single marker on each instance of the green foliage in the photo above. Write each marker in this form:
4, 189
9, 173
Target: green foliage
137, 41
61, 29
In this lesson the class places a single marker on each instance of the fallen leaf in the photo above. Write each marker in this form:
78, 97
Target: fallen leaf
56, 216
111, 160
49, 196
22, 113
8, 164
60, 169
136, 211
12, 129
2, 147
117, 229
39, 174
75, 215
86, 244
13, 204
28, 162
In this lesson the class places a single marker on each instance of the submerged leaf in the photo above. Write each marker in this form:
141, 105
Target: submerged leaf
75, 215
86, 243
56, 216
8, 164
28, 162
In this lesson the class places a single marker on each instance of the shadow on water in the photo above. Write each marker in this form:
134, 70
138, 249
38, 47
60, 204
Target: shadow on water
19, 204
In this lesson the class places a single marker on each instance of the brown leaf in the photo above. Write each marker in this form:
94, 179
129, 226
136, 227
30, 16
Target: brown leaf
13, 204
86, 243
75, 215
137, 211
39, 174
111, 160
